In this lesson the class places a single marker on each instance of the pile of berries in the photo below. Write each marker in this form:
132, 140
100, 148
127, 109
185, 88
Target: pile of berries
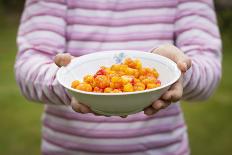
128, 76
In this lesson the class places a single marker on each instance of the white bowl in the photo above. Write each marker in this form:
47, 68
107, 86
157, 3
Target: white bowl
118, 103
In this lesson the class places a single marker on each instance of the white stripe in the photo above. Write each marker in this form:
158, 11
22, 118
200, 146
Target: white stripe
122, 14
55, 149
114, 126
42, 5
116, 45
122, 1
121, 30
56, 21
40, 34
201, 21
199, 35
114, 141
196, 5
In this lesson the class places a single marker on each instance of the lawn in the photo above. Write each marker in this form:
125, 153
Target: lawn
209, 122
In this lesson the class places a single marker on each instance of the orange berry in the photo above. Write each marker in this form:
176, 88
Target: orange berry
116, 79
130, 71
75, 84
142, 71
136, 73
142, 77
139, 86
126, 79
148, 79
84, 87
130, 63
158, 82
89, 79
102, 81
123, 67
128, 88
138, 64
116, 91
108, 90
151, 85
97, 90
115, 67
155, 73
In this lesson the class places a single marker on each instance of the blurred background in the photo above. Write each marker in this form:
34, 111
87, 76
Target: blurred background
209, 123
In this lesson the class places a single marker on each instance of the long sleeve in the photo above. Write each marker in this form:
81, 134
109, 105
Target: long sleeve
41, 36
197, 35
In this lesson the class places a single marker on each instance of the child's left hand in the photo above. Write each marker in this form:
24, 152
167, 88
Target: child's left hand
175, 93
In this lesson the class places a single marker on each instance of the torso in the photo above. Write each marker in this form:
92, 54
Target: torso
94, 25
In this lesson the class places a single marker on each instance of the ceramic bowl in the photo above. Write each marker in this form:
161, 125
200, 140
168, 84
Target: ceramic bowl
118, 104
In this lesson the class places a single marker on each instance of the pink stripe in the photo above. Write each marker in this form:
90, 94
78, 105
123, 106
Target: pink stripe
193, 82
48, 12
43, 42
30, 2
169, 112
183, 149
121, 6
200, 27
51, 87
120, 22
119, 133
104, 37
43, 27
210, 81
187, 13
207, 2
140, 147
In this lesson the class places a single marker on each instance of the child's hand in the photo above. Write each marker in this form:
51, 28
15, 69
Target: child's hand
63, 60
174, 94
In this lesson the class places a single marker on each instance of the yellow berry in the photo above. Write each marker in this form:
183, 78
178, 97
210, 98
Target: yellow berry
151, 85
84, 87
128, 88
89, 79
75, 83
102, 81
98, 90
115, 67
138, 64
139, 86
116, 91
108, 90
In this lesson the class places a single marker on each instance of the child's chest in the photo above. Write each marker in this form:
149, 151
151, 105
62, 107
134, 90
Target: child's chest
107, 24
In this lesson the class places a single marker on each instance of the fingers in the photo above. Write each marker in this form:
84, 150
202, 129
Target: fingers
125, 116
160, 104
62, 59
156, 106
175, 54
184, 65
150, 111
175, 93
80, 108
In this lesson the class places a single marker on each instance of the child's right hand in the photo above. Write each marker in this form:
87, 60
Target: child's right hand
63, 60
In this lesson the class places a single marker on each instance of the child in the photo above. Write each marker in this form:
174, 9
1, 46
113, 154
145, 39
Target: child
61, 28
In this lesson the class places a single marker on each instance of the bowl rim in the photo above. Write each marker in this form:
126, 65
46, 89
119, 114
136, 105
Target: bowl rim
123, 93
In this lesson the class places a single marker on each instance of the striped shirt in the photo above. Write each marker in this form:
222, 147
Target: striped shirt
78, 27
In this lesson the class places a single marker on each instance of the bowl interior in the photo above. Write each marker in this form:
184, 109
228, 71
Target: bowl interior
90, 63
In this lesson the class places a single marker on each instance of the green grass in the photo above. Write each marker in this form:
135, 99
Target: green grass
20, 119
209, 122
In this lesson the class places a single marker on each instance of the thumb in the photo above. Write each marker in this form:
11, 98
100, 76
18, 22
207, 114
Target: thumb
62, 59
179, 57
183, 63
172, 52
